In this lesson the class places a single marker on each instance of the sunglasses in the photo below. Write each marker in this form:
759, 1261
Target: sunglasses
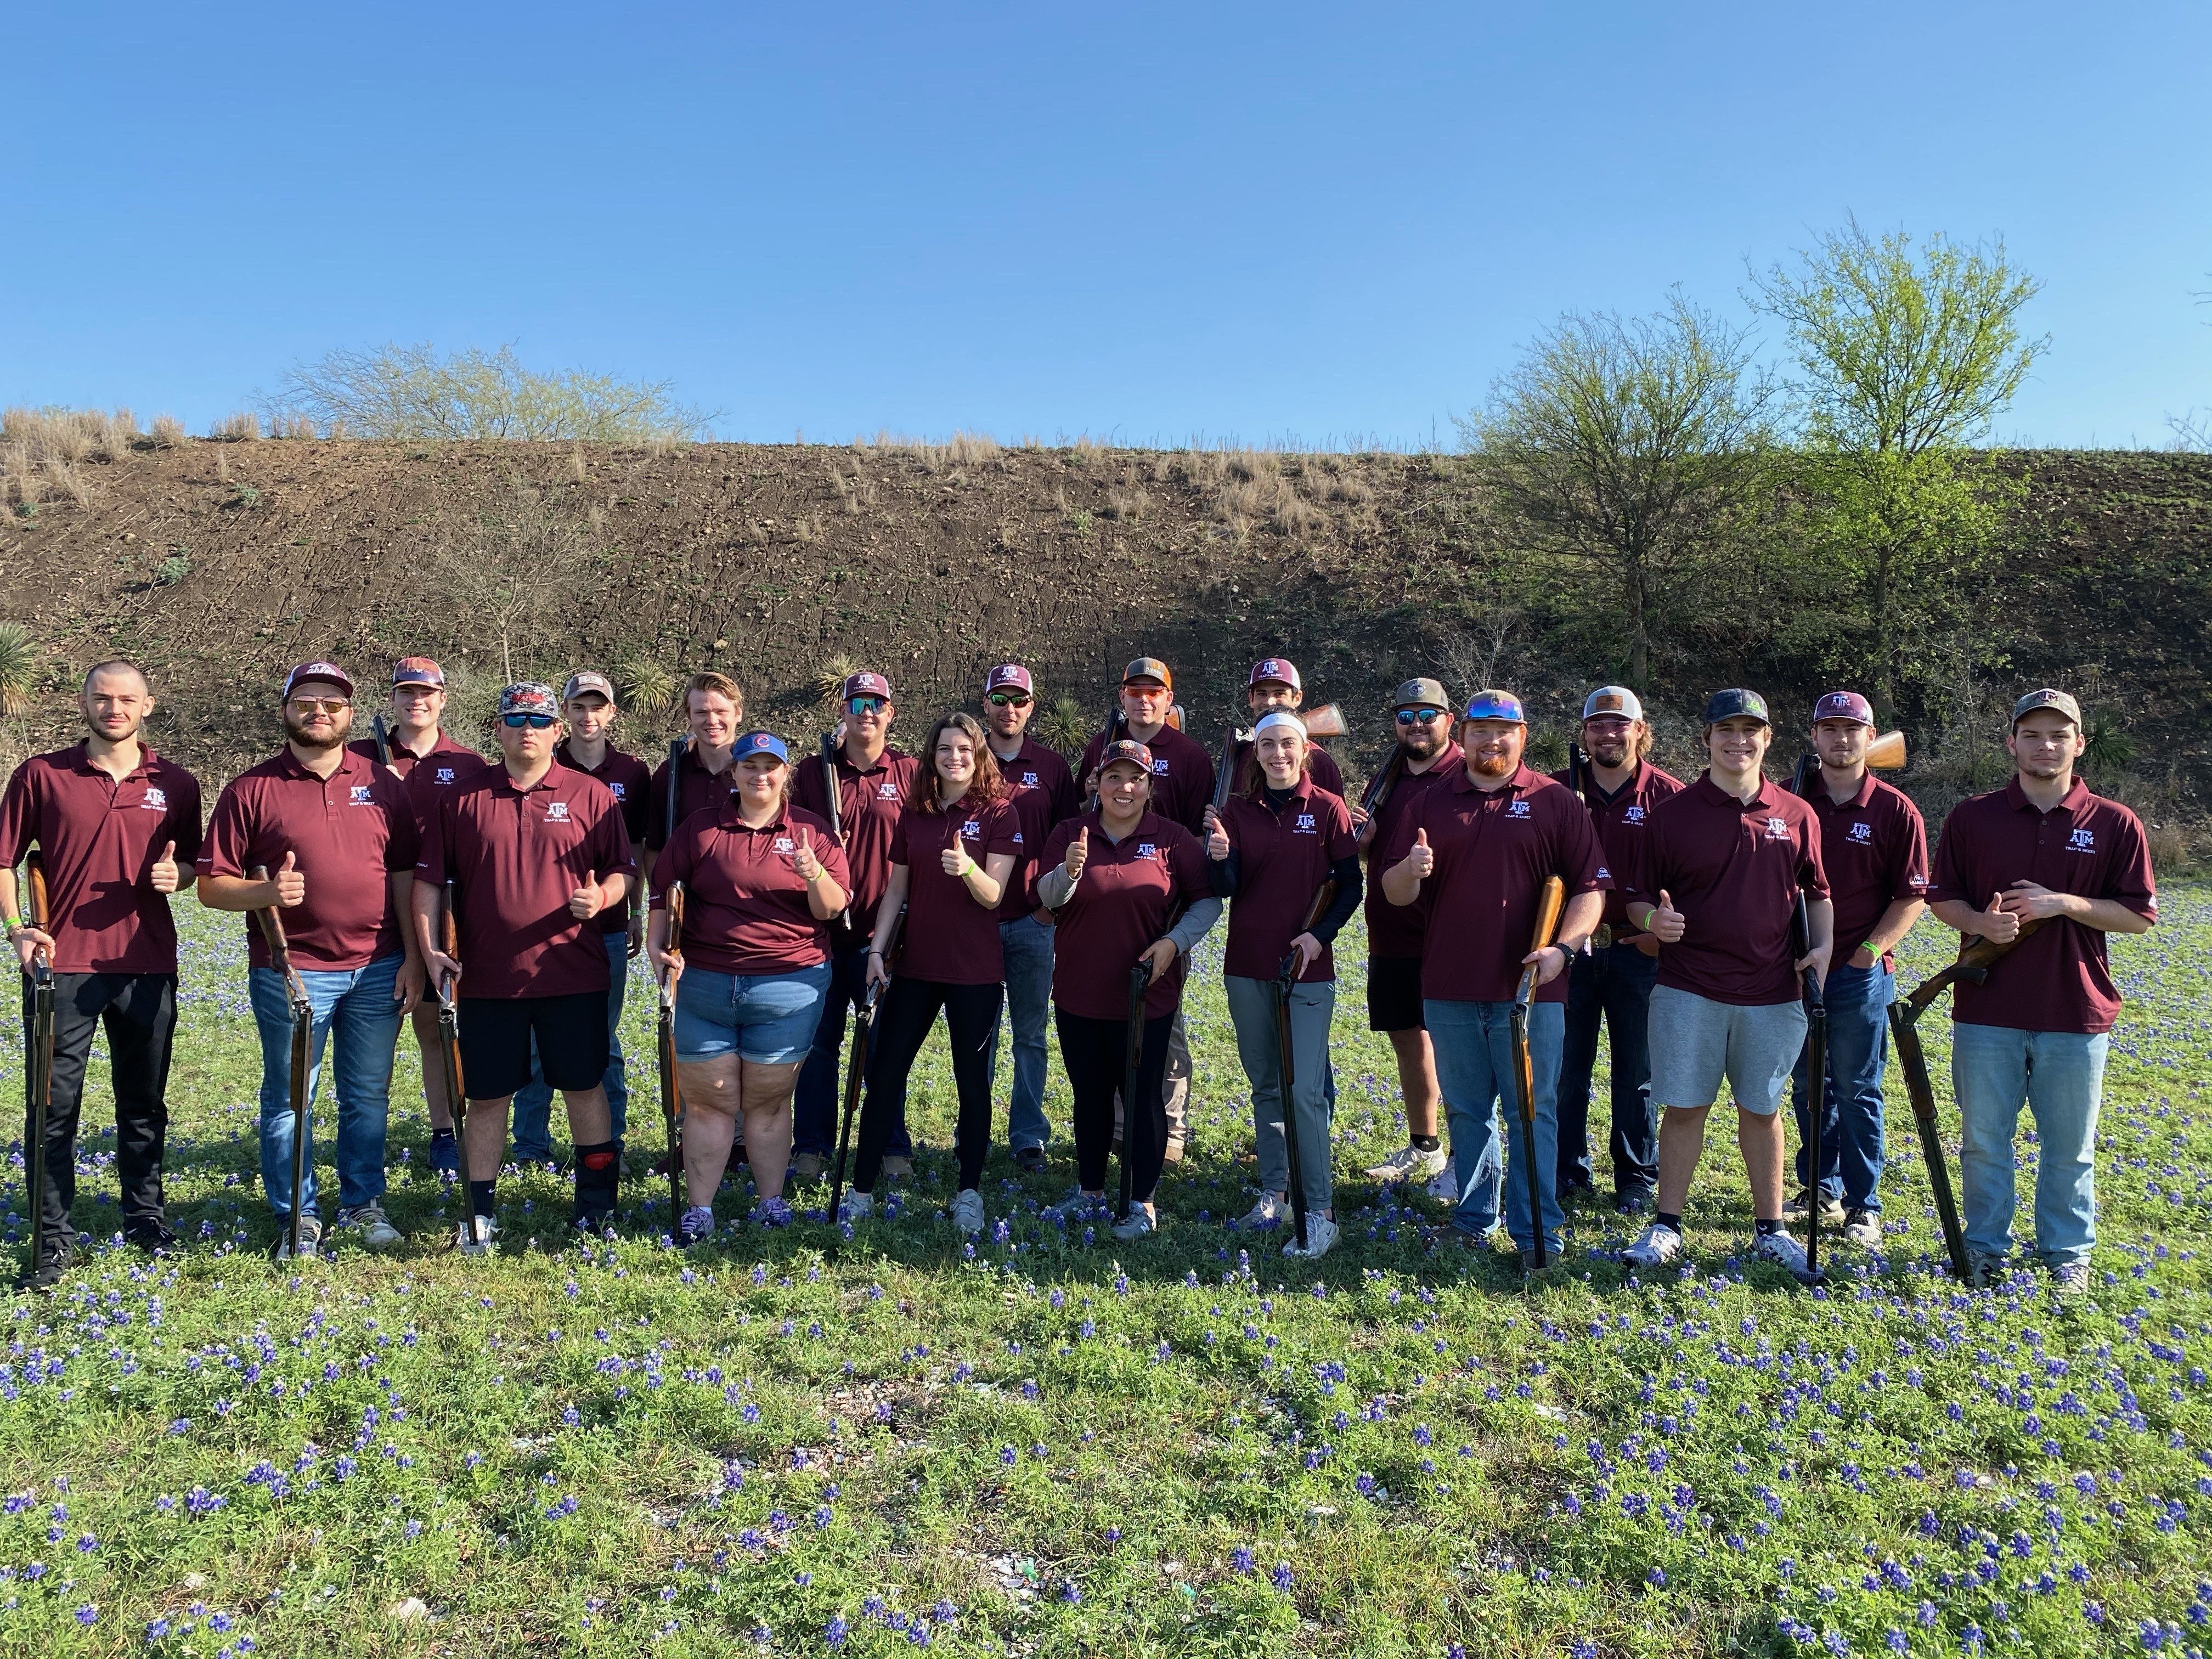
865, 705
535, 722
320, 705
1008, 699
1419, 716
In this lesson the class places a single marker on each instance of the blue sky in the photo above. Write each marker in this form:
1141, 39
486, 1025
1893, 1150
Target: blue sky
1146, 222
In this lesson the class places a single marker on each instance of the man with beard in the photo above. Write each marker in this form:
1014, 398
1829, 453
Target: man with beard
336, 835
117, 828
1426, 752
1610, 986
1043, 791
431, 766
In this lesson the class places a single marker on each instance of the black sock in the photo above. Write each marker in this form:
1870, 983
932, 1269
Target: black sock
1666, 1220
440, 1134
599, 1168
1426, 1143
1763, 1229
480, 1202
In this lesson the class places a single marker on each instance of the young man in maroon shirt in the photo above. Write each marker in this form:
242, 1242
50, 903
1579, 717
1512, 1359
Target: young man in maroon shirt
1426, 752
2042, 849
338, 835
1716, 880
714, 715
873, 777
1474, 854
1874, 846
1609, 987
1273, 684
1044, 794
587, 705
117, 828
536, 851
432, 765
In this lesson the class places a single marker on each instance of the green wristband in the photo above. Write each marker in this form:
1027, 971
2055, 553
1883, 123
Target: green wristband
13, 923
1872, 949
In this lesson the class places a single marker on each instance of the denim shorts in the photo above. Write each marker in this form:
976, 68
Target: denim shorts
767, 1019
1695, 1042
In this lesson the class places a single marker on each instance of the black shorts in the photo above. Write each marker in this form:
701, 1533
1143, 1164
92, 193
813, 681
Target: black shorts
495, 1033
1394, 994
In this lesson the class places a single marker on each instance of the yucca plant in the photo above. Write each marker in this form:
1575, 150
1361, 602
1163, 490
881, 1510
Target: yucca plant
2106, 749
1064, 723
829, 677
648, 689
19, 663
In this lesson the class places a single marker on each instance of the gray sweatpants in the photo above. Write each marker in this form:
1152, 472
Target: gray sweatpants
1253, 1011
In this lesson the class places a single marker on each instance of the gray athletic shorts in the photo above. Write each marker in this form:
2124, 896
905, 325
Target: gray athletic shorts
1696, 1042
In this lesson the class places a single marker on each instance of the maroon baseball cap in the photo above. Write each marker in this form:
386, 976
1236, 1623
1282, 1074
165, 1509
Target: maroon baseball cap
865, 684
1280, 670
418, 670
319, 670
1126, 749
1843, 706
1008, 674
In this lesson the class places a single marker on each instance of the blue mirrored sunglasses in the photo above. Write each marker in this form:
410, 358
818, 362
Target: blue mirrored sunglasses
535, 722
1419, 716
865, 705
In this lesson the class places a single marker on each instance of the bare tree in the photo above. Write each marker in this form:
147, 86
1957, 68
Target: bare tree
511, 570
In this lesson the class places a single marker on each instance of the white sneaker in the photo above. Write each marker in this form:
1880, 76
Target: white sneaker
1320, 1233
1409, 1163
1655, 1247
482, 1239
367, 1221
1445, 1188
809, 1166
1864, 1230
1268, 1212
311, 1236
1783, 1251
968, 1211
898, 1167
1138, 1225
855, 1205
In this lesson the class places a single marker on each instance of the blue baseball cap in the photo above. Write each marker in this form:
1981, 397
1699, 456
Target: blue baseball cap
1495, 706
1736, 703
759, 743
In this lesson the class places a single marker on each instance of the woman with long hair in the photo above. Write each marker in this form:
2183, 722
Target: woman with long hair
951, 852
762, 880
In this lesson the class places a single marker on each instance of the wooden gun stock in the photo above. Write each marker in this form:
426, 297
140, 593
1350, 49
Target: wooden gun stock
1973, 965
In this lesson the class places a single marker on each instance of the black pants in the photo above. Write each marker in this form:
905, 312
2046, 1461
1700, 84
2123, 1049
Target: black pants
1094, 1053
1611, 987
903, 1016
140, 1013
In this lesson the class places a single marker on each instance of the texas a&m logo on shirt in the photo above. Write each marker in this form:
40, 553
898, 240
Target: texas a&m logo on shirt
157, 800
1159, 768
1305, 826
1030, 781
615, 785
445, 775
1146, 849
360, 795
887, 790
1633, 815
556, 811
1518, 809
2082, 841
971, 830
1860, 833
784, 844
1778, 828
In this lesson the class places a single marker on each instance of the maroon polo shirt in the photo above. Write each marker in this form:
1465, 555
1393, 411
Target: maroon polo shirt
1044, 793
1875, 849
1396, 930
2058, 979
745, 905
516, 855
1619, 819
868, 807
429, 778
98, 839
1493, 849
1182, 775
1282, 860
1320, 766
1121, 906
697, 790
629, 782
949, 938
349, 831
1733, 868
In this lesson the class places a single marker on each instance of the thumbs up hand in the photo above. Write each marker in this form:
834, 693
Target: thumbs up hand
163, 877
1078, 853
586, 901
1420, 858
1217, 837
289, 887
804, 860
1668, 922
1999, 925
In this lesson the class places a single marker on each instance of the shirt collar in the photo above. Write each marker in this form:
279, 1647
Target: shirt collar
555, 776
1765, 800
731, 820
890, 752
349, 764
1852, 803
2076, 797
82, 762
1522, 781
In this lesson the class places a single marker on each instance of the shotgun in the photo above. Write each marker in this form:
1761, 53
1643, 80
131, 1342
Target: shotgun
379, 735
1117, 724
1577, 770
38, 1063
1816, 1081
1286, 1059
830, 792
1141, 979
1549, 901
677, 747
672, 1095
856, 1065
449, 1053
303, 1022
1226, 769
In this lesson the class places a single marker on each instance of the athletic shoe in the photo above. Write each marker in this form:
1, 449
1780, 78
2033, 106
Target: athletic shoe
898, 1167
1138, 1225
445, 1153
810, 1166
1078, 1206
1029, 1160
482, 1239
1785, 1252
1177, 1149
533, 1155
52, 1266
1655, 1247
1445, 1188
855, 1205
1635, 1202
311, 1236
1320, 1233
774, 1212
696, 1227
369, 1221
1833, 1213
1983, 1270
1268, 1212
1409, 1163
1555, 1266
153, 1236
2069, 1281
1864, 1230
968, 1211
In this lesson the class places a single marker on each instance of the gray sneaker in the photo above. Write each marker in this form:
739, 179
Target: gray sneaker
2069, 1281
1138, 1225
311, 1236
809, 1166
1864, 1230
968, 1211
1833, 1213
1444, 1188
1076, 1206
1268, 1212
481, 1238
1655, 1247
1407, 1163
1783, 1251
367, 1223
1320, 1233
855, 1205
1985, 1270
898, 1167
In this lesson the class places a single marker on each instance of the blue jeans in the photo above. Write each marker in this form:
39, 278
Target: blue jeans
1028, 945
814, 1109
1474, 1044
534, 1102
1851, 1151
1610, 988
358, 1004
2060, 1076
1253, 1011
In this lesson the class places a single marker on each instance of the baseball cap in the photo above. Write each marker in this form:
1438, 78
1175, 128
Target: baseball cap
528, 698
1843, 706
1281, 670
1734, 704
320, 671
865, 684
1148, 668
1126, 749
761, 743
587, 679
1495, 706
1414, 694
1616, 700
418, 670
2048, 698
1008, 674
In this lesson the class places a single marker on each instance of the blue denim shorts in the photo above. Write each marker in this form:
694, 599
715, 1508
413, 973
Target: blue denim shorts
767, 1019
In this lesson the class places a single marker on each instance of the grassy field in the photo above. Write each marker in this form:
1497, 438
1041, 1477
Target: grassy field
1038, 1446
